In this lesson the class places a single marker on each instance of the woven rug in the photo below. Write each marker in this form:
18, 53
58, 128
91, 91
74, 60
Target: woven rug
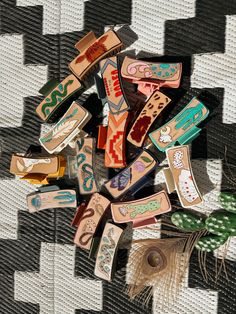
41, 271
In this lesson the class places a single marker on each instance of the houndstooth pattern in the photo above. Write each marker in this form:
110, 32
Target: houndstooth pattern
41, 270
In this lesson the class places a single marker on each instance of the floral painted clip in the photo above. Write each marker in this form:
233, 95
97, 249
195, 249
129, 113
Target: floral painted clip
150, 76
51, 198
106, 256
68, 127
55, 94
132, 175
38, 170
89, 220
115, 97
179, 176
182, 128
92, 50
152, 109
141, 212
85, 148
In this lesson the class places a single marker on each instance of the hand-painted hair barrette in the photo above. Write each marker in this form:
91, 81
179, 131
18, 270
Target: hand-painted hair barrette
67, 128
150, 76
182, 128
141, 212
38, 170
106, 256
51, 197
92, 50
179, 176
89, 218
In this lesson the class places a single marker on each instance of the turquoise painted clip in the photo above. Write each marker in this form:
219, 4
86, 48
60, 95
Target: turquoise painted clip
182, 128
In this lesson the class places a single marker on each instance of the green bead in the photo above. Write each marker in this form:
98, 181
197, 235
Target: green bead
187, 221
211, 242
221, 222
228, 201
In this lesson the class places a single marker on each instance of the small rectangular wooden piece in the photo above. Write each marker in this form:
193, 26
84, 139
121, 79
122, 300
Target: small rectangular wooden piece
66, 129
86, 178
115, 98
152, 109
53, 199
92, 50
102, 137
21, 165
135, 70
57, 95
180, 165
105, 261
131, 175
115, 144
141, 209
182, 128
89, 221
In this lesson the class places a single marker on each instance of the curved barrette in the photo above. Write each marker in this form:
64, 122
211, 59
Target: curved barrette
141, 212
51, 197
92, 50
38, 169
152, 109
151, 75
182, 128
55, 94
132, 175
115, 98
67, 128
107, 251
179, 176
85, 167
89, 219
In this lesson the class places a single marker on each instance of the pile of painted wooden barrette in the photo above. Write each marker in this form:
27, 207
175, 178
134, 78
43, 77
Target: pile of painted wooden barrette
155, 262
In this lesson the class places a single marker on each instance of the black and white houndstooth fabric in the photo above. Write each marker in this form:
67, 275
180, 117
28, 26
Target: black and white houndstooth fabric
41, 271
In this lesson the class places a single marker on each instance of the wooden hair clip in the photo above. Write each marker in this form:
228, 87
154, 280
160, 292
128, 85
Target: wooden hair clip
182, 128
141, 212
115, 143
152, 109
92, 50
87, 182
179, 176
115, 97
68, 127
51, 197
89, 219
130, 176
38, 170
106, 256
55, 94
150, 76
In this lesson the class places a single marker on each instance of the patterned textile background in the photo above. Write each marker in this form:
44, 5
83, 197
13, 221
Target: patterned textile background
41, 271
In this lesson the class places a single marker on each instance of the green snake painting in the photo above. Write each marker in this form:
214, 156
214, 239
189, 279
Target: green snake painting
56, 96
106, 253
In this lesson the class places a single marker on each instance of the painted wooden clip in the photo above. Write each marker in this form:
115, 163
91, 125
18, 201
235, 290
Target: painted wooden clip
150, 76
182, 128
115, 156
115, 97
68, 127
102, 137
92, 50
130, 176
89, 219
141, 212
55, 94
51, 197
179, 176
105, 261
152, 109
86, 177
38, 170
